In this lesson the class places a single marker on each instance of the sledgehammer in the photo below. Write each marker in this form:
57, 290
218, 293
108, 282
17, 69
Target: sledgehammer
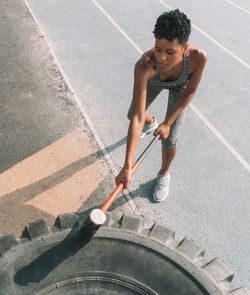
97, 216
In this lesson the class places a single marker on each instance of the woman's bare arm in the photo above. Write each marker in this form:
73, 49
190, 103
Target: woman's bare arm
141, 74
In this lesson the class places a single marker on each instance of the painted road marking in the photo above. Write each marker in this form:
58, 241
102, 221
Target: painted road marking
221, 138
243, 162
118, 27
55, 164
238, 6
57, 179
213, 40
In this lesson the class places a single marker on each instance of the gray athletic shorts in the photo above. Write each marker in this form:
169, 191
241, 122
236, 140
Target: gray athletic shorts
152, 92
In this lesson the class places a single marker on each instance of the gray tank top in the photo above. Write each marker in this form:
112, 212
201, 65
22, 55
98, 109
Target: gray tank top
181, 82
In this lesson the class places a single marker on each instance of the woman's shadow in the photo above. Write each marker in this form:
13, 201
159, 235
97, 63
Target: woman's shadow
19, 197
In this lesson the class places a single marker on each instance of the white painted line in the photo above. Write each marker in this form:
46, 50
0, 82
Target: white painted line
118, 27
194, 109
163, 3
221, 138
213, 40
238, 6
84, 113
222, 47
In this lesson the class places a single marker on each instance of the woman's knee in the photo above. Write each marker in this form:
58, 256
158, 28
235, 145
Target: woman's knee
169, 143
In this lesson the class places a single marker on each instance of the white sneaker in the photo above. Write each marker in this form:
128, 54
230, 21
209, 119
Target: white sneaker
161, 190
147, 129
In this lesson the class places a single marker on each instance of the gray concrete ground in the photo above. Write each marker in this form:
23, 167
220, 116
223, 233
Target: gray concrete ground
209, 198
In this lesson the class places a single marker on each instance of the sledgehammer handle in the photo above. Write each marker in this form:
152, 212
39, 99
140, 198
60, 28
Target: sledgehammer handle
120, 186
148, 148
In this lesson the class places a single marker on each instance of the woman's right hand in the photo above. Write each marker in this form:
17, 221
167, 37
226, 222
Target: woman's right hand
147, 56
124, 176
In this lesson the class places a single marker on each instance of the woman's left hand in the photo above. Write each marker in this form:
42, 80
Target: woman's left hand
163, 129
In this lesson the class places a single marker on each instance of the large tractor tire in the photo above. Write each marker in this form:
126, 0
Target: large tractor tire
123, 257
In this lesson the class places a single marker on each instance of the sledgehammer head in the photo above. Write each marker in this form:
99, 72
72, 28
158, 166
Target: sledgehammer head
91, 225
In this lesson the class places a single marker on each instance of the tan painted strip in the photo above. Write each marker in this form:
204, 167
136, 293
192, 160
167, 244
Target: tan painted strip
58, 155
56, 180
69, 195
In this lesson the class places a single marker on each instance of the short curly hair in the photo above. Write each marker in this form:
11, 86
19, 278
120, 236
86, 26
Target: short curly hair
173, 25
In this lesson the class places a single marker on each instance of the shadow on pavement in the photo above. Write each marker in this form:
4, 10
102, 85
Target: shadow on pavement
13, 204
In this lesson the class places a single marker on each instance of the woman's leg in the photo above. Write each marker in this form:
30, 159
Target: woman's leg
167, 158
169, 149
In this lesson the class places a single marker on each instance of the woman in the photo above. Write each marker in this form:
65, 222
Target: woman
172, 64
